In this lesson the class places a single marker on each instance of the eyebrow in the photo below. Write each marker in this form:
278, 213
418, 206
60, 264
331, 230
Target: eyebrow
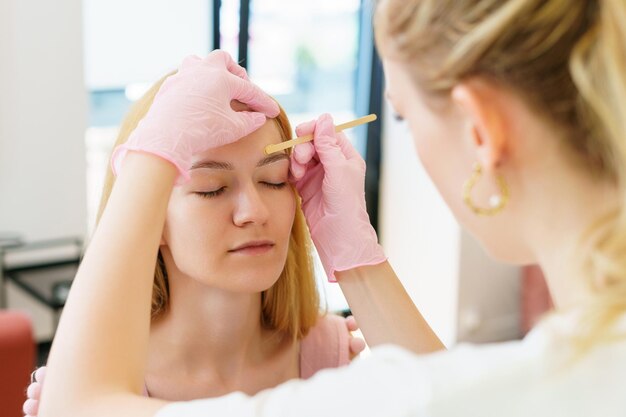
272, 158
228, 166
213, 165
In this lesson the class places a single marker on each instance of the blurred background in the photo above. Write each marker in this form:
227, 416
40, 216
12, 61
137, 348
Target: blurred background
70, 70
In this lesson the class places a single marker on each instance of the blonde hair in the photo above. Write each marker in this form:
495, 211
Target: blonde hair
567, 59
291, 305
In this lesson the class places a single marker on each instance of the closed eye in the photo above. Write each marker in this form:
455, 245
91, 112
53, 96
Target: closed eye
275, 186
211, 194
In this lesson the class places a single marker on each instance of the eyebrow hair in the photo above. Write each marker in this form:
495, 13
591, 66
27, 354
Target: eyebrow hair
213, 165
272, 158
228, 166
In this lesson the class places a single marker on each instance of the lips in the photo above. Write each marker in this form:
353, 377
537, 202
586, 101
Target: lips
253, 247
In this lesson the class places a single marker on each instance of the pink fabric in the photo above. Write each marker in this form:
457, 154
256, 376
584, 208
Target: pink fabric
326, 346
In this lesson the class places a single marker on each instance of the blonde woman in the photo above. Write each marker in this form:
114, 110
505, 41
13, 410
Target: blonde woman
234, 299
519, 100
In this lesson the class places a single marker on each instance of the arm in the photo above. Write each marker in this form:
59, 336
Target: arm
97, 360
384, 310
330, 176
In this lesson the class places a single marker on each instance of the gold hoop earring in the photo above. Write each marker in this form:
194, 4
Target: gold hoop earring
496, 202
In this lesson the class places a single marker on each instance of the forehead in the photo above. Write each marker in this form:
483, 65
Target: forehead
247, 150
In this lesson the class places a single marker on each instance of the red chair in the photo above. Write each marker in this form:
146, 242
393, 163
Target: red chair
17, 359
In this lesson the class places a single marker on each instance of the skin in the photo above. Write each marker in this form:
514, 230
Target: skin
550, 190
233, 352
552, 202
224, 347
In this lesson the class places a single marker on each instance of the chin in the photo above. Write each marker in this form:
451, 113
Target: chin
257, 279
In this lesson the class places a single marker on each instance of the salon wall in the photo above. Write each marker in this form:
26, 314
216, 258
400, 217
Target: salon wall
464, 295
42, 119
43, 110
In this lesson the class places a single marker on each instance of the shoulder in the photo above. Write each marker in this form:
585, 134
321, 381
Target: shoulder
507, 379
327, 345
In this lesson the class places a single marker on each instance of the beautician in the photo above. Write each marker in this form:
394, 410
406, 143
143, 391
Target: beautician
516, 109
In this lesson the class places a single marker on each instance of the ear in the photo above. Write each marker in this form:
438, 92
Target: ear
481, 102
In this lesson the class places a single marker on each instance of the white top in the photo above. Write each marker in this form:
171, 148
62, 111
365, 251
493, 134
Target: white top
524, 378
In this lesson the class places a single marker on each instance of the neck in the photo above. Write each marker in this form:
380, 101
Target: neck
560, 242
207, 328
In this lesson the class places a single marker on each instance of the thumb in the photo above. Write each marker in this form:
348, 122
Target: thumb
252, 95
305, 128
246, 122
325, 141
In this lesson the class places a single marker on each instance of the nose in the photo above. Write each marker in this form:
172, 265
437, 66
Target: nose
250, 208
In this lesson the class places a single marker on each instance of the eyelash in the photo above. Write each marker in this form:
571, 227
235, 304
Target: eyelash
398, 117
274, 186
211, 194
216, 193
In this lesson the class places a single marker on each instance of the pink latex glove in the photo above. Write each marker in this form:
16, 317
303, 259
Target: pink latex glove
330, 177
191, 113
33, 393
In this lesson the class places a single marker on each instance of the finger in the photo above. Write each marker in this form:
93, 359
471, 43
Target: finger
190, 61
324, 126
325, 142
305, 128
40, 374
346, 147
357, 345
31, 407
310, 160
351, 323
310, 184
304, 152
247, 122
296, 169
254, 97
225, 58
33, 391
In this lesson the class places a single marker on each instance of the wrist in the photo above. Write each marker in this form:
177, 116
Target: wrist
121, 153
362, 272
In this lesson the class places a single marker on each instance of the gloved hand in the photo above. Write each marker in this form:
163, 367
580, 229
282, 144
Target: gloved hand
329, 174
33, 393
191, 113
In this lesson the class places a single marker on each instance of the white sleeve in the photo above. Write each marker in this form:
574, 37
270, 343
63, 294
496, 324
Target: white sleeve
390, 382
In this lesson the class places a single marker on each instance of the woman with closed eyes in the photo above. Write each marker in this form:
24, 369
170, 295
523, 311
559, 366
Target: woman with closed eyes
234, 300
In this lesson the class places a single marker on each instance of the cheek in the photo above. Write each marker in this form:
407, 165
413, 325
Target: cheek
439, 146
192, 233
282, 210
